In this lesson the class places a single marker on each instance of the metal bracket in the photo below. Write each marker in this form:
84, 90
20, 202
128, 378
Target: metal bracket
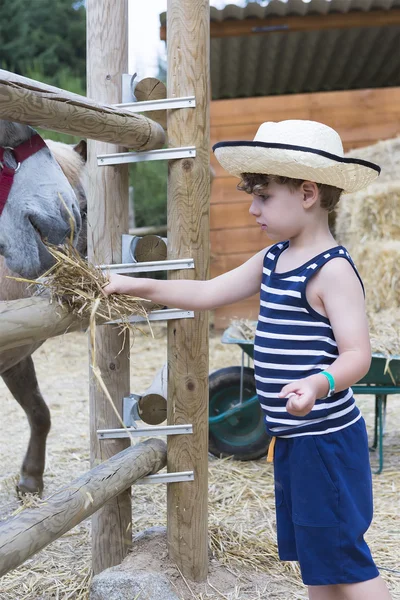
130, 410
167, 477
165, 314
151, 265
130, 245
162, 104
121, 158
142, 431
127, 88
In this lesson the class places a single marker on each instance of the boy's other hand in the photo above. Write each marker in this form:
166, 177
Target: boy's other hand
301, 397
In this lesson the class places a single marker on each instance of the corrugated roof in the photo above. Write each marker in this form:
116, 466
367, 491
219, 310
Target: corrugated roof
298, 7
303, 61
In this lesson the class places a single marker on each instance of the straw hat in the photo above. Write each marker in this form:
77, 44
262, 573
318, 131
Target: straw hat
299, 149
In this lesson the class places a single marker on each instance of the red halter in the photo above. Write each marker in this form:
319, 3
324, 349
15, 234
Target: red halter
20, 152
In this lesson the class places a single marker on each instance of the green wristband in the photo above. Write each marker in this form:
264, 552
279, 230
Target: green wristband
331, 382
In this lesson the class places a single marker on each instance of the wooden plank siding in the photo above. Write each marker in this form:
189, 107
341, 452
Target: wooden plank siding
362, 118
236, 214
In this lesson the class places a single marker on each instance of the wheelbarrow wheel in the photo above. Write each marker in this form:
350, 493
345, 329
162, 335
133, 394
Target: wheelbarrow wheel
241, 434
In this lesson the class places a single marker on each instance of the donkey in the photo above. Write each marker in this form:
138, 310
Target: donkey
31, 211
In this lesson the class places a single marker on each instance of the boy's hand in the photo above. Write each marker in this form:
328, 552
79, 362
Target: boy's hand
118, 284
301, 395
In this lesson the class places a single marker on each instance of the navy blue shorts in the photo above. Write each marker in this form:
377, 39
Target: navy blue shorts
323, 495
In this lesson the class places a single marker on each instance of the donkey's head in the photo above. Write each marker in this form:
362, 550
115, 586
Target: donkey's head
72, 159
37, 201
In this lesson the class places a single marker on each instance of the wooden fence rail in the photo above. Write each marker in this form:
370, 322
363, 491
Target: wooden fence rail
34, 528
32, 320
33, 103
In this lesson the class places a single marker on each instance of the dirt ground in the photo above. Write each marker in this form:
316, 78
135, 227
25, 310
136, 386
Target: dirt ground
240, 494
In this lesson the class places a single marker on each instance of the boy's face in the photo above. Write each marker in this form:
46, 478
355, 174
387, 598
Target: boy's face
279, 211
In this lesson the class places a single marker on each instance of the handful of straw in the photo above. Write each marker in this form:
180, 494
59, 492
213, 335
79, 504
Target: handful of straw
79, 285
74, 283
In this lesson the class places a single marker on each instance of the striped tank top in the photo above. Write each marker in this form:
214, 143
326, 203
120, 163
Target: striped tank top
294, 341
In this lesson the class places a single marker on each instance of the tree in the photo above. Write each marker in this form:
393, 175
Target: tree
47, 44
149, 181
52, 34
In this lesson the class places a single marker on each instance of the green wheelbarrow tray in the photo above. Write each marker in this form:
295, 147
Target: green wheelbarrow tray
382, 379
236, 422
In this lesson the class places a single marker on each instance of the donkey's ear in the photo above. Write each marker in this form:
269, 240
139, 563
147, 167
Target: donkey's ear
81, 149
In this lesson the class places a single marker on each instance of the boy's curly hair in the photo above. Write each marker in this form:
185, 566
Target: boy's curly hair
255, 183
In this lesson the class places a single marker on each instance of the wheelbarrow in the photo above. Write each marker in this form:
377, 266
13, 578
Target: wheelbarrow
236, 423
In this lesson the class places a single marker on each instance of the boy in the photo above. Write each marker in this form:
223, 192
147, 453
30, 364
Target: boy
311, 344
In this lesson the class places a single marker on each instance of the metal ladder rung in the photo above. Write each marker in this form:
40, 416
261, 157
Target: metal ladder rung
121, 158
161, 104
142, 431
167, 477
165, 314
150, 266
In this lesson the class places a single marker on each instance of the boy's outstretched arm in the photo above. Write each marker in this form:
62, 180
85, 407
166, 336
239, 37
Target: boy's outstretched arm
235, 285
343, 299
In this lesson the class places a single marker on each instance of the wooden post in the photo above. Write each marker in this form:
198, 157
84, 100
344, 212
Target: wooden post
188, 236
32, 529
107, 59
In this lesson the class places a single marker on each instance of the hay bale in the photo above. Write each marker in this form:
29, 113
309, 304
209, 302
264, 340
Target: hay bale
385, 332
368, 224
342, 229
370, 214
379, 266
386, 154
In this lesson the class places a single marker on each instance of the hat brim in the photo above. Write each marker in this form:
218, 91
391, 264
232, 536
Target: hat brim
297, 162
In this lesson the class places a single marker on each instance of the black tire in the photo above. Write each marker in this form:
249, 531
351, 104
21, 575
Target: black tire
244, 436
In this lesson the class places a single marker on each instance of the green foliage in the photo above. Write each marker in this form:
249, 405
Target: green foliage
149, 181
46, 42
47, 134
53, 33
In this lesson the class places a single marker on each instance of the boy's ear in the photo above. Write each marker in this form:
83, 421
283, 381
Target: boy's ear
310, 192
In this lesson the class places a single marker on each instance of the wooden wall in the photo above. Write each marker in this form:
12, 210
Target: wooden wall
362, 118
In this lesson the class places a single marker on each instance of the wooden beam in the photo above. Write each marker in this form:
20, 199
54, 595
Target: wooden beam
107, 24
188, 236
33, 103
359, 108
32, 320
289, 23
32, 529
